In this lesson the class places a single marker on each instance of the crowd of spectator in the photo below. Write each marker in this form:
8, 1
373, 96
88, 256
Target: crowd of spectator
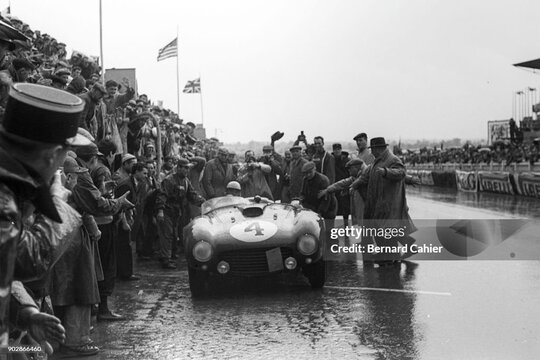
503, 152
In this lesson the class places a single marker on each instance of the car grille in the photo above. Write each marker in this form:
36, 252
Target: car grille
251, 262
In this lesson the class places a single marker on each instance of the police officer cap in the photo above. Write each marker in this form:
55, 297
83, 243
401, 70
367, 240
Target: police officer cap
43, 114
354, 162
308, 166
234, 185
182, 162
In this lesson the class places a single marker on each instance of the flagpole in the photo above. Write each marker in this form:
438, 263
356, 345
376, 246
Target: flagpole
101, 44
177, 76
200, 86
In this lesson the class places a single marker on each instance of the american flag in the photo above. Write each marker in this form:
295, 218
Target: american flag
170, 50
193, 87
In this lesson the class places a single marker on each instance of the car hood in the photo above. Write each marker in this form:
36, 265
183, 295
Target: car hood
253, 226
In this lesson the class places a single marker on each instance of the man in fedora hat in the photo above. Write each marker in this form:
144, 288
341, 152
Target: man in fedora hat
39, 127
386, 203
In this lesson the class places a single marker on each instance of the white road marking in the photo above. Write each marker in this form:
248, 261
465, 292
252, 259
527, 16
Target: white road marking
389, 290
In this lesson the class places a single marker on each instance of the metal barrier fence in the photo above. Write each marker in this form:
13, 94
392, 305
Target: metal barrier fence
514, 168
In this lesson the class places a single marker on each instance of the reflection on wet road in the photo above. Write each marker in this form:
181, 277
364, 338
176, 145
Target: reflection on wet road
440, 310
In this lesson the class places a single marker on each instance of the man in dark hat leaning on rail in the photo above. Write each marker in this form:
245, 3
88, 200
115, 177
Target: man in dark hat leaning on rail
39, 127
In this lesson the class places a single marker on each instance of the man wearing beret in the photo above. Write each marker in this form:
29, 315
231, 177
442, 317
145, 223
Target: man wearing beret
39, 127
171, 204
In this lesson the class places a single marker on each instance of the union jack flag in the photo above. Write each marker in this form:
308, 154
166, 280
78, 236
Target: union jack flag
193, 87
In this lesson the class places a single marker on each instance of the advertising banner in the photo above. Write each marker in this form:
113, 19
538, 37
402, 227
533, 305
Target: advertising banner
528, 184
466, 181
495, 182
498, 130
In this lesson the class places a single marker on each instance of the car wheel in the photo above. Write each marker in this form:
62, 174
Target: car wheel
316, 274
198, 282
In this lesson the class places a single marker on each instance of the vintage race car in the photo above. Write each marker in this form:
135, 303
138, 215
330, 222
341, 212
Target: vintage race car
250, 237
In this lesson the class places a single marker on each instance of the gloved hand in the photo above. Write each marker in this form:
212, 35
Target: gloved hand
57, 189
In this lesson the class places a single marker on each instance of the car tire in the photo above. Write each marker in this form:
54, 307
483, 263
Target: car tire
316, 274
198, 282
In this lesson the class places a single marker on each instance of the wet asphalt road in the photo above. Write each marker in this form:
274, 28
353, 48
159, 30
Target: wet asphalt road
417, 310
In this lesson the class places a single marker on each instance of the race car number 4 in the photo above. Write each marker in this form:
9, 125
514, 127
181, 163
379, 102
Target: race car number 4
253, 231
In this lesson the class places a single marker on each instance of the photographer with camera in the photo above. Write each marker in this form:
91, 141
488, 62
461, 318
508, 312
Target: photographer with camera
252, 177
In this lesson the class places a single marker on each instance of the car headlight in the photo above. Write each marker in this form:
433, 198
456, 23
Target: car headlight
202, 251
307, 244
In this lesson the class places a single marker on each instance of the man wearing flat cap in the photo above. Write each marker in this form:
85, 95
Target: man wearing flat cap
92, 99
314, 182
39, 127
217, 174
124, 171
363, 152
354, 168
173, 211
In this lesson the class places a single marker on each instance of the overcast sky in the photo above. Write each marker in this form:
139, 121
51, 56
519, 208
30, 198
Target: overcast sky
405, 69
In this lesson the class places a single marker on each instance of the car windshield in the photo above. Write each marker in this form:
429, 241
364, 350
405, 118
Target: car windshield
223, 201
